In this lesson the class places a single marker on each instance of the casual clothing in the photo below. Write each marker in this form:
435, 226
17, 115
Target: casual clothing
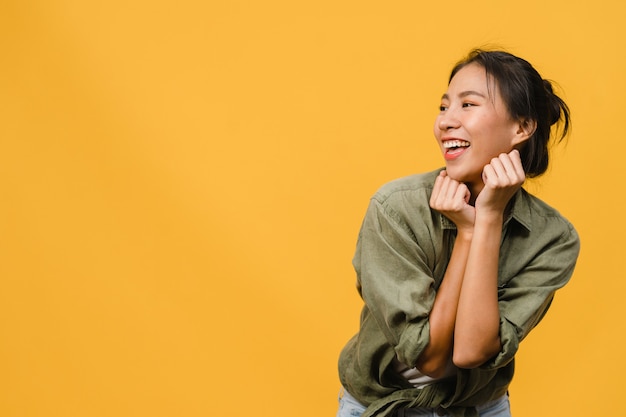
402, 253
350, 407
418, 379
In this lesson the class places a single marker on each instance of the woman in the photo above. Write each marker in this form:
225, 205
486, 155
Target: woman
456, 267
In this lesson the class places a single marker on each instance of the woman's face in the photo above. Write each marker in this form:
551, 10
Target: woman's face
474, 125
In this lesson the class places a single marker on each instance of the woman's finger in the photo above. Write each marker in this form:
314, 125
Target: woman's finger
509, 168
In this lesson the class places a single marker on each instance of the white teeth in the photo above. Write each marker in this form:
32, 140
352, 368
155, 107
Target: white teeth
455, 144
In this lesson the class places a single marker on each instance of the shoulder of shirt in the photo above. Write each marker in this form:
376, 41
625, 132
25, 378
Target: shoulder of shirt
408, 184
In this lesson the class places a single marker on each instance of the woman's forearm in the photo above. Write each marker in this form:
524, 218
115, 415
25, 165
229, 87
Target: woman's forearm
435, 358
476, 333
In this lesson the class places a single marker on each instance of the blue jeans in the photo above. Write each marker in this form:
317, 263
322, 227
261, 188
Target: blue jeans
350, 407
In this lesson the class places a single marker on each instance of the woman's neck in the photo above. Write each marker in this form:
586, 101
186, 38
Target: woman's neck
475, 189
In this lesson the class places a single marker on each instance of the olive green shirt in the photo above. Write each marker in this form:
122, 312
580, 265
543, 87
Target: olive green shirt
402, 253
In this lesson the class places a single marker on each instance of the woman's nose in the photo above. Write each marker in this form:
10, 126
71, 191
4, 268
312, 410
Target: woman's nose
448, 120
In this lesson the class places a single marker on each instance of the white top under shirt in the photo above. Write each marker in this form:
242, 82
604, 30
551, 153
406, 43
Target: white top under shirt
418, 379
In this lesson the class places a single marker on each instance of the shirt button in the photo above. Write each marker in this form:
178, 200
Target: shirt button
440, 411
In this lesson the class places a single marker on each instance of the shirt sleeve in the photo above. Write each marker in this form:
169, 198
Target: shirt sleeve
394, 279
526, 297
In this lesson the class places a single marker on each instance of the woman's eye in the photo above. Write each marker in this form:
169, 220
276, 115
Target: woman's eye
468, 104
443, 108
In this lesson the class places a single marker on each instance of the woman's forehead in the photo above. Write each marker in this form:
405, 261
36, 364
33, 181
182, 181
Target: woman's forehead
473, 79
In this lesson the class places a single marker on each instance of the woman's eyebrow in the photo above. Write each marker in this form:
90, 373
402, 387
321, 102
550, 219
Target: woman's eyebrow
463, 94
471, 93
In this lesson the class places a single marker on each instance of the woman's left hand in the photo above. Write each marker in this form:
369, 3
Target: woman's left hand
503, 176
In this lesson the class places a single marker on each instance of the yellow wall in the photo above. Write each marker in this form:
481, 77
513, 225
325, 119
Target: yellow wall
182, 184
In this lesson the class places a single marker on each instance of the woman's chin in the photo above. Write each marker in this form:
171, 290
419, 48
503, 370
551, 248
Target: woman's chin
456, 174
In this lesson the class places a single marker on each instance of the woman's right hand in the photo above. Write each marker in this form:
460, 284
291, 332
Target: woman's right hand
451, 198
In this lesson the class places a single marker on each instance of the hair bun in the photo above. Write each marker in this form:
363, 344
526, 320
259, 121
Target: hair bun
554, 103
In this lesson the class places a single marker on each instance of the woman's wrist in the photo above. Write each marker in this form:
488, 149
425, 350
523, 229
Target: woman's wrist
465, 233
489, 217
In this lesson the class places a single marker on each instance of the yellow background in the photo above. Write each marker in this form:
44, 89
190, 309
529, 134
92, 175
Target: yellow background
182, 184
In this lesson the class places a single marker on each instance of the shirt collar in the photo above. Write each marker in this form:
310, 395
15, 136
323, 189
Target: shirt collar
520, 209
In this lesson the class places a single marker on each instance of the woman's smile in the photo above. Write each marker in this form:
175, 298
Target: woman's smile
454, 148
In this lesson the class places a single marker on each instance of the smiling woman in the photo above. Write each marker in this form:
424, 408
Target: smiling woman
457, 267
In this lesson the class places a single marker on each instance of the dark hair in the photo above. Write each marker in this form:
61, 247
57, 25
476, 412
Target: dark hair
528, 97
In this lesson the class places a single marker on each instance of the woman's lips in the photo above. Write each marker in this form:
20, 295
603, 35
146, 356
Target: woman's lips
453, 147
453, 153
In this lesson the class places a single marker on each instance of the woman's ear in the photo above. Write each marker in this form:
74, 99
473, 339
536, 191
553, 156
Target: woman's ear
525, 129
